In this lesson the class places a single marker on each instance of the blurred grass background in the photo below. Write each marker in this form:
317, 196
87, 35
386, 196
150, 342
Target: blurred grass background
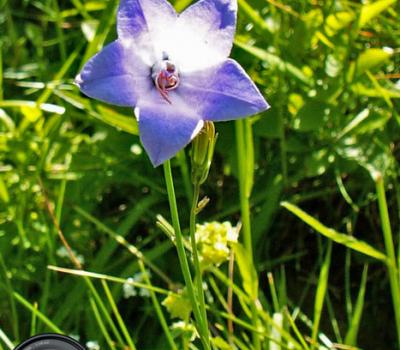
329, 69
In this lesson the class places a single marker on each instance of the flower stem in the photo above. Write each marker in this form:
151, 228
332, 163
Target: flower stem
157, 306
196, 261
245, 171
245, 157
201, 325
390, 252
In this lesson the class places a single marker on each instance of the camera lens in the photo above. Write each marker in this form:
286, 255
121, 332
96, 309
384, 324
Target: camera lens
50, 342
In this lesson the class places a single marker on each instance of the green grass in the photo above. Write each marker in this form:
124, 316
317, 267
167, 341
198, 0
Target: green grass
313, 183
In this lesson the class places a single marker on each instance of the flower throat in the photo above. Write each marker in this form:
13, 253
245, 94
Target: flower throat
165, 76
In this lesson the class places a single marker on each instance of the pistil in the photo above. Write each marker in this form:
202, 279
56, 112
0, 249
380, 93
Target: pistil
166, 78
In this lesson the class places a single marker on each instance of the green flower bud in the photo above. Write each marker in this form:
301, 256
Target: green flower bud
202, 153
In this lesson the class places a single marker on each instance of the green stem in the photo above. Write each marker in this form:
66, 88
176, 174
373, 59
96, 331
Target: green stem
196, 261
60, 33
1, 71
390, 252
117, 314
9, 290
182, 256
181, 157
157, 306
244, 194
100, 323
245, 171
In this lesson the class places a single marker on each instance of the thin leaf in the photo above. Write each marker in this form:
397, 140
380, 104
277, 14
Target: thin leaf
372, 10
107, 278
120, 121
117, 315
247, 271
253, 15
6, 340
338, 21
100, 112
275, 62
101, 324
372, 58
321, 292
363, 90
341, 238
51, 326
351, 336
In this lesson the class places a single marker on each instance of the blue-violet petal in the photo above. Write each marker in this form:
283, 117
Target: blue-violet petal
149, 24
166, 128
205, 34
115, 75
223, 92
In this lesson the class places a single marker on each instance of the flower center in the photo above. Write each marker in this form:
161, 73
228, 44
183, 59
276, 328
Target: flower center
166, 77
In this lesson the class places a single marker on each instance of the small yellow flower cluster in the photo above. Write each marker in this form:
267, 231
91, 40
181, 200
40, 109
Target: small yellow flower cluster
178, 305
214, 240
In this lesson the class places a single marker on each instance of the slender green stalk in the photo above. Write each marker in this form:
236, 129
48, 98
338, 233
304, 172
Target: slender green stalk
389, 247
118, 317
43, 318
9, 289
244, 196
157, 307
101, 324
347, 284
201, 326
354, 326
102, 309
181, 157
60, 33
62, 188
6, 340
88, 274
296, 330
122, 241
196, 261
245, 171
33, 330
321, 295
82, 9
1, 71
332, 317
77, 263
274, 295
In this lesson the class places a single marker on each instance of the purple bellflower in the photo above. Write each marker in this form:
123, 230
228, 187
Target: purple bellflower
174, 70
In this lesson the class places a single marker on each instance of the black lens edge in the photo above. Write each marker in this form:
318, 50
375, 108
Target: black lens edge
49, 336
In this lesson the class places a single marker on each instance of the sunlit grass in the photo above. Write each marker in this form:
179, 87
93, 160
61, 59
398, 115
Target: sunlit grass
313, 183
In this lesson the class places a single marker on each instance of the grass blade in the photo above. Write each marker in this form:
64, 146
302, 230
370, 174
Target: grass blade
101, 325
120, 321
341, 238
18, 297
351, 336
320, 295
